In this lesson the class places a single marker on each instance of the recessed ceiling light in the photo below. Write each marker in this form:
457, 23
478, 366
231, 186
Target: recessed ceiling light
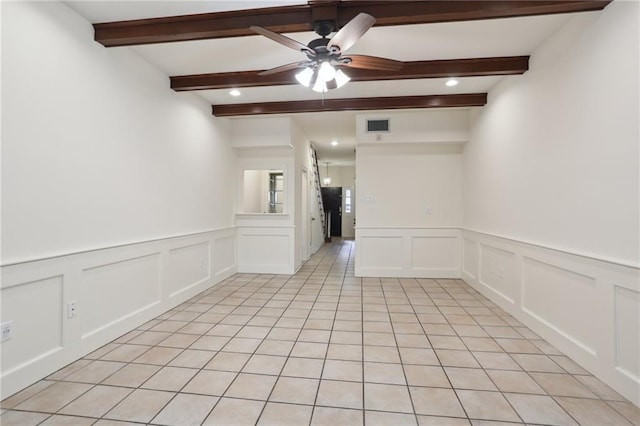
452, 82
334, 143
234, 92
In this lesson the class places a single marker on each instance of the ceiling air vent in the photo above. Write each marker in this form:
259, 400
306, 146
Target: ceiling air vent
377, 126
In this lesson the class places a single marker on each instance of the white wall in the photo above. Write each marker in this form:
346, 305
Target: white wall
416, 126
305, 194
397, 184
553, 156
551, 194
96, 149
409, 197
266, 242
251, 132
276, 243
129, 184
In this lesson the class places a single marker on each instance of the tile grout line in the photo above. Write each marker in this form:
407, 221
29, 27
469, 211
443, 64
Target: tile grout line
292, 348
404, 374
184, 349
271, 329
498, 390
216, 352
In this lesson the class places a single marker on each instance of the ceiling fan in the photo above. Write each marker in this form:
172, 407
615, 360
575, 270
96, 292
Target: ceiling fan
324, 54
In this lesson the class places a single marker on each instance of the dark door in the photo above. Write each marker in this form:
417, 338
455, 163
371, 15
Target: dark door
332, 202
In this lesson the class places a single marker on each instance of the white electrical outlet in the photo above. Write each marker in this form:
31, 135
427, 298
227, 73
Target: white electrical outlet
7, 330
72, 309
427, 211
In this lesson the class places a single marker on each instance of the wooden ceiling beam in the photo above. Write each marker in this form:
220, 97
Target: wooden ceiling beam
433, 11
351, 104
291, 19
473, 67
203, 26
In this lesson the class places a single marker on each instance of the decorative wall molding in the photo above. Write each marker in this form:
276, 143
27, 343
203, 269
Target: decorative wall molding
586, 307
266, 249
408, 252
108, 247
577, 253
116, 289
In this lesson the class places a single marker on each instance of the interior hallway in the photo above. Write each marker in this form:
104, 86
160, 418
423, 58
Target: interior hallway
324, 347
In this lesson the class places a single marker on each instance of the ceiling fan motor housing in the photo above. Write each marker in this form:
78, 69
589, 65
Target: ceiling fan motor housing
319, 46
326, 54
324, 28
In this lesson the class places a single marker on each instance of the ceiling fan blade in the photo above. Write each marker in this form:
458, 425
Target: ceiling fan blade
279, 38
374, 63
352, 31
281, 68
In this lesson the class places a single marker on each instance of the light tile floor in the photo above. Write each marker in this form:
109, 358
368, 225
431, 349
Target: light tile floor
322, 347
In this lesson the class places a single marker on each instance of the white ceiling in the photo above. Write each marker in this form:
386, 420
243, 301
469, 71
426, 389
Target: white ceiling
456, 40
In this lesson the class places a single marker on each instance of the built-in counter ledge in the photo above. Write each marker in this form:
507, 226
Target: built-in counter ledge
261, 215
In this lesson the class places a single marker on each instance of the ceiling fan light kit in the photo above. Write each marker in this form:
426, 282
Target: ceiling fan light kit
322, 70
322, 79
305, 76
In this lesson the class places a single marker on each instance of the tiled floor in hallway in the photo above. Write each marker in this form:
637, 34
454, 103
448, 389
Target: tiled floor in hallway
322, 347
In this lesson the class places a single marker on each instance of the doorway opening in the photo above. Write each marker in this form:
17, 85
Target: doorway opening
332, 202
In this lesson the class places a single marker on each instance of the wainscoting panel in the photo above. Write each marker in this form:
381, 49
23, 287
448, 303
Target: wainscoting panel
627, 306
408, 252
385, 252
112, 292
433, 253
497, 271
115, 290
34, 309
470, 258
586, 307
267, 250
224, 254
569, 290
188, 266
